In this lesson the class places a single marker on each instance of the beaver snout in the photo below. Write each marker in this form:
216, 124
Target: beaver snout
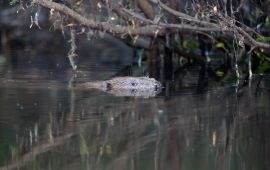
156, 87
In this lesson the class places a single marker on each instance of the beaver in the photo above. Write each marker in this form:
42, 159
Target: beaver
126, 86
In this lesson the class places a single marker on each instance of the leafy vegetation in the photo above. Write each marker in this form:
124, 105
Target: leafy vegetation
235, 32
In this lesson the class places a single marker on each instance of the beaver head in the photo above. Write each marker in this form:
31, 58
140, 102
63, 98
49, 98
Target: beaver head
133, 83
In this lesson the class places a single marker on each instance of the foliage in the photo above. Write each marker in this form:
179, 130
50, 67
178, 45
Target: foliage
187, 28
13, 2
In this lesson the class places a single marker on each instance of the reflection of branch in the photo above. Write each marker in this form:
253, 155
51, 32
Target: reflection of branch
16, 164
131, 146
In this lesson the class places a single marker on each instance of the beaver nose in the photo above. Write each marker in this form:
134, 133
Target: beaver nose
108, 86
156, 87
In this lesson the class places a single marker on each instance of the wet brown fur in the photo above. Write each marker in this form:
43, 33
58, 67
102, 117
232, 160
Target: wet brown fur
139, 83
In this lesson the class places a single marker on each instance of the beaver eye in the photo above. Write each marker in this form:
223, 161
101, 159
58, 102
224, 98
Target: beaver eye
133, 91
133, 84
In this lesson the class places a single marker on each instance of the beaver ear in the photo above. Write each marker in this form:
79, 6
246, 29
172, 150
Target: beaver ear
146, 75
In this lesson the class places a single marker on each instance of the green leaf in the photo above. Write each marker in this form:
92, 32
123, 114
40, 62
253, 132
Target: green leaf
263, 39
267, 22
13, 2
177, 39
158, 18
220, 73
190, 45
220, 45
265, 66
3, 60
83, 146
140, 53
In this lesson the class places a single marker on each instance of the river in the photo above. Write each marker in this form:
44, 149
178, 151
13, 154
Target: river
46, 124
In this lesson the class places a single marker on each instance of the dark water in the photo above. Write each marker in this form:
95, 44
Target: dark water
44, 124
58, 128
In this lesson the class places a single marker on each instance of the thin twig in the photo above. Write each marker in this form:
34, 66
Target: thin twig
152, 29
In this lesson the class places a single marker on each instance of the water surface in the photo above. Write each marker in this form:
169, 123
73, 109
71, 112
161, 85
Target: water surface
46, 125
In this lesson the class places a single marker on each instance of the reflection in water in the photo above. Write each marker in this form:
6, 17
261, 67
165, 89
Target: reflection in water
44, 124
61, 128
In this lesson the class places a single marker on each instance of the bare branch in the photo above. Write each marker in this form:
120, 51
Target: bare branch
155, 29
185, 16
103, 26
147, 9
247, 38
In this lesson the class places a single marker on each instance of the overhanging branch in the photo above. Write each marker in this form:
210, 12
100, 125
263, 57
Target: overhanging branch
102, 26
150, 28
